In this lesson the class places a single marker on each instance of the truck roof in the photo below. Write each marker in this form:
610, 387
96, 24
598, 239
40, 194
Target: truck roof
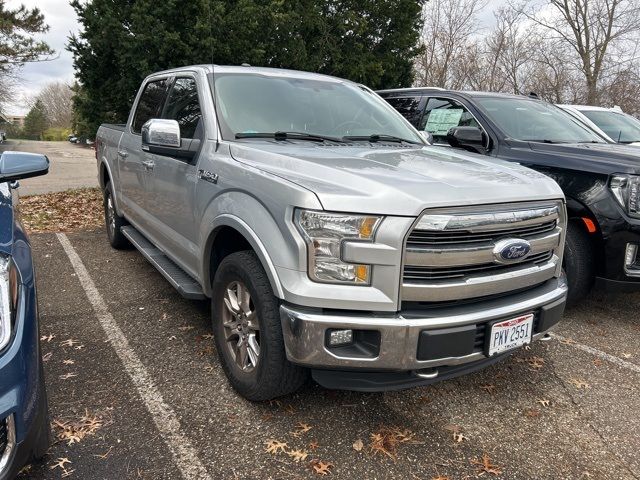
469, 93
279, 72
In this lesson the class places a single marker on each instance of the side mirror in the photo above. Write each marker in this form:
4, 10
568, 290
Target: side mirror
468, 138
162, 137
19, 165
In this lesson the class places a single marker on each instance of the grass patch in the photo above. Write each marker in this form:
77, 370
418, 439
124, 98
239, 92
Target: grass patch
68, 211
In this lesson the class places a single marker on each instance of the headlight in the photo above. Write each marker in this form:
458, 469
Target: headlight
324, 233
8, 299
626, 189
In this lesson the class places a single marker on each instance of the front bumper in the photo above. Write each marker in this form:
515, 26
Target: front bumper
396, 342
22, 395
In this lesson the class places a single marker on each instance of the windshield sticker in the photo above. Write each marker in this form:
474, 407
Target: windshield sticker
441, 120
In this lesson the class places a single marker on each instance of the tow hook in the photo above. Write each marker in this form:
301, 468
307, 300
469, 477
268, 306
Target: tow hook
427, 373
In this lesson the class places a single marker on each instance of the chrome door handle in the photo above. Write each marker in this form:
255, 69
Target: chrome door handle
123, 154
149, 164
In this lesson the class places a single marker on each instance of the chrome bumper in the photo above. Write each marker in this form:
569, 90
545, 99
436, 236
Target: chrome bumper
305, 330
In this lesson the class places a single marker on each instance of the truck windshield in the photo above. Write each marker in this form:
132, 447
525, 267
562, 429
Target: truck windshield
536, 121
620, 127
252, 105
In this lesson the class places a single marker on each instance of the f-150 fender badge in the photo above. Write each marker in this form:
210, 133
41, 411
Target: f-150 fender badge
208, 176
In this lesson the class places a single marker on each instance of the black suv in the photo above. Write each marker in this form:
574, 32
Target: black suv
601, 180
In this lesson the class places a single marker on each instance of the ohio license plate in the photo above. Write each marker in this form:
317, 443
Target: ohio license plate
510, 334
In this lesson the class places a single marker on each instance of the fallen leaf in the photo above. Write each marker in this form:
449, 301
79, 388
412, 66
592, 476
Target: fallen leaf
274, 446
626, 355
69, 343
532, 412
536, 363
47, 338
358, 445
298, 455
61, 462
485, 466
387, 439
579, 384
313, 445
544, 402
47, 356
321, 468
67, 376
597, 362
69, 362
301, 429
489, 388
74, 431
458, 437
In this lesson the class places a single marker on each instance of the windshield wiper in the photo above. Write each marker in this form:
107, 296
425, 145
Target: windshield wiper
377, 137
312, 137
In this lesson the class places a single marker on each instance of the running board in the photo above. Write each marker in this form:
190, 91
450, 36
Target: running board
186, 285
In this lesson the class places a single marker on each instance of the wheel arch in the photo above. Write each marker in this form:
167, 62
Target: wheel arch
581, 214
227, 231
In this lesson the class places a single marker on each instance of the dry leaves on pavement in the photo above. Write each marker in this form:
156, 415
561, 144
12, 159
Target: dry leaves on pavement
320, 468
74, 431
485, 466
71, 210
275, 446
387, 439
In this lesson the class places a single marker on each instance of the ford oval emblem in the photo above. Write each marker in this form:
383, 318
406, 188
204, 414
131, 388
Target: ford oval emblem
511, 250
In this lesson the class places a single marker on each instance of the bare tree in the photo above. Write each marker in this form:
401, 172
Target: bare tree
590, 28
58, 106
447, 40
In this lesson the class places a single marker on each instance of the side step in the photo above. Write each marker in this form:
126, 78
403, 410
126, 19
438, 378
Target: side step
181, 280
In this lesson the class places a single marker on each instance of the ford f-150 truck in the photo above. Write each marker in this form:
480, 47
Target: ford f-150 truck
329, 237
601, 180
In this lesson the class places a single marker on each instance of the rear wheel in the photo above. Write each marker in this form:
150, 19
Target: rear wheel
113, 221
578, 263
248, 333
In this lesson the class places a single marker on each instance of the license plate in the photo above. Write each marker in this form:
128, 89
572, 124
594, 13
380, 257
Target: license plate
510, 334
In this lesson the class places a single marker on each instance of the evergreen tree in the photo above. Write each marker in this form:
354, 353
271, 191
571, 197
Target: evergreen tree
35, 123
122, 41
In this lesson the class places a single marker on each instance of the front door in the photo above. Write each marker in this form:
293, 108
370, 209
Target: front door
174, 179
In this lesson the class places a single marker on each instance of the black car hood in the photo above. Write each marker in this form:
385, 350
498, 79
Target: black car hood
602, 158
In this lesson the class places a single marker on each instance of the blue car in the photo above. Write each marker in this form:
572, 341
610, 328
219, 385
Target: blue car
24, 420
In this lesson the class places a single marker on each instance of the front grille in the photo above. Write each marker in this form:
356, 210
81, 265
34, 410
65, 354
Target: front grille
419, 238
4, 437
429, 274
455, 254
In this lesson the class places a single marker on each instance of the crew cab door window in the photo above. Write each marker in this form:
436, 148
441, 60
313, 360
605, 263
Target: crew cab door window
409, 107
441, 114
184, 107
150, 104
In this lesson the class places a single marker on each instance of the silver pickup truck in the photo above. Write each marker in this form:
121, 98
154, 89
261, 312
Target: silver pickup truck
329, 237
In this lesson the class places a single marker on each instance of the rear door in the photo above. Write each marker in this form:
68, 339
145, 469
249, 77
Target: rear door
443, 113
172, 204
133, 163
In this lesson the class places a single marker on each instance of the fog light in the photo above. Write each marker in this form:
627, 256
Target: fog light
631, 267
340, 337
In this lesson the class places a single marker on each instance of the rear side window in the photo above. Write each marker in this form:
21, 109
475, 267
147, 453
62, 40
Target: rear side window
409, 107
150, 104
442, 114
184, 107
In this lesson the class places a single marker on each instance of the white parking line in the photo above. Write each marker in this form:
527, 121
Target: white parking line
163, 416
598, 353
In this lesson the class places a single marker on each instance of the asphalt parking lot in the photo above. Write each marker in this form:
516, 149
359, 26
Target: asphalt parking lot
136, 391
72, 166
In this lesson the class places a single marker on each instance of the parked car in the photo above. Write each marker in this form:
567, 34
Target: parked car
611, 123
600, 180
24, 419
328, 236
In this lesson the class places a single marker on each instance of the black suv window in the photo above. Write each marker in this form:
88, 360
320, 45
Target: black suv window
183, 106
150, 104
442, 114
409, 107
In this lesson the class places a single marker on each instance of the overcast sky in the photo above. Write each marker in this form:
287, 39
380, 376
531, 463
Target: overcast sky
62, 19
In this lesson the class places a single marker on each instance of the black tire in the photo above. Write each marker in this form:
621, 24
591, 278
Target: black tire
578, 263
113, 222
43, 439
273, 375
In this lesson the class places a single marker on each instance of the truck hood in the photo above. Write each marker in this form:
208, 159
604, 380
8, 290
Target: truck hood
395, 180
604, 158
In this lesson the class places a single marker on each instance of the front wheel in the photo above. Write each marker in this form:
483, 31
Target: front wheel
248, 333
578, 263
